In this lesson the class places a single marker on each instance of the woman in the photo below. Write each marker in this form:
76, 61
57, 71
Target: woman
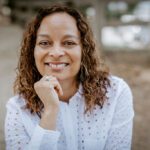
65, 100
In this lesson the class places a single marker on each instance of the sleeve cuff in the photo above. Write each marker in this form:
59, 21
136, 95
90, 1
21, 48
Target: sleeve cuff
42, 136
51, 133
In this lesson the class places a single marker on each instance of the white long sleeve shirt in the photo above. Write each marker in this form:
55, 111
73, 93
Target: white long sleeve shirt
109, 128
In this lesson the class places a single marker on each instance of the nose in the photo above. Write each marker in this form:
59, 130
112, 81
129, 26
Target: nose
56, 52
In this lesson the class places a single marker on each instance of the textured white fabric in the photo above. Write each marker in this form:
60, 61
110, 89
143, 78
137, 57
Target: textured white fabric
109, 128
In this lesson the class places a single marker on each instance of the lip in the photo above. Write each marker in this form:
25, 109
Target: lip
57, 66
56, 63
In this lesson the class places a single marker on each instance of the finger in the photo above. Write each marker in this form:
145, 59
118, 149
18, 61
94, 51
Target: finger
53, 83
47, 77
56, 86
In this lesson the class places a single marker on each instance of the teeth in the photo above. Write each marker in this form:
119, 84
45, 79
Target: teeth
58, 66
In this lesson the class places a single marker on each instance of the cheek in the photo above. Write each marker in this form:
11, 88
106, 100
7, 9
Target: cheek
77, 54
77, 59
38, 62
38, 58
38, 55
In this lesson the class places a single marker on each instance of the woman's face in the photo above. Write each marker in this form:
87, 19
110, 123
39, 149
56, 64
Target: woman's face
58, 47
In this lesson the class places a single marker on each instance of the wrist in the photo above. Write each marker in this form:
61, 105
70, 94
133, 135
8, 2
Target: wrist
50, 111
49, 118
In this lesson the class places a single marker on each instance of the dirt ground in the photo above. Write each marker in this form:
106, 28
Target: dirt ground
133, 67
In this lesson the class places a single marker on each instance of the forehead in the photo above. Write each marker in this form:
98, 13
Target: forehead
59, 22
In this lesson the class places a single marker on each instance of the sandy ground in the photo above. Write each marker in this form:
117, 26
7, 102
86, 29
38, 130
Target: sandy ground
134, 68
9, 43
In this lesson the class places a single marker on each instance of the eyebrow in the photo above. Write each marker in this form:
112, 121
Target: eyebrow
43, 35
66, 36
71, 36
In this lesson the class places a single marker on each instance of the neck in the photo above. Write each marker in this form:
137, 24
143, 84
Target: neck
69, 89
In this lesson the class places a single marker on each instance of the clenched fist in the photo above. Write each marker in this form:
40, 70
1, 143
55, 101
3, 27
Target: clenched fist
48, 89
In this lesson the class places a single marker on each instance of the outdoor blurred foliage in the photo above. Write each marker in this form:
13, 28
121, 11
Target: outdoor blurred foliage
122, 25
122, 30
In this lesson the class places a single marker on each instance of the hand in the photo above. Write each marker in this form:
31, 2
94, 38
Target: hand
48, 89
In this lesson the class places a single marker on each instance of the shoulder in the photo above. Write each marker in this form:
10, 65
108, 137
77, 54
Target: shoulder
16, 101
120, 96
117, 80
118, 84
119, 90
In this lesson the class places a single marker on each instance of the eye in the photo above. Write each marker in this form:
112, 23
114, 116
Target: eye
69, 43
44, 43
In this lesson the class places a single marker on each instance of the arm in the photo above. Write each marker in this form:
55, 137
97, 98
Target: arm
17, 124
120, 133
18, 137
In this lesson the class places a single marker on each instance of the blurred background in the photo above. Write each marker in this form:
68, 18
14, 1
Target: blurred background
122, 30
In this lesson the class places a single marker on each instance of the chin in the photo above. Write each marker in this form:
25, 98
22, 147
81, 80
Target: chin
60, 77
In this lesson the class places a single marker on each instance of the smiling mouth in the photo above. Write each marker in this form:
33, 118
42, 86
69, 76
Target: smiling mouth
57, 66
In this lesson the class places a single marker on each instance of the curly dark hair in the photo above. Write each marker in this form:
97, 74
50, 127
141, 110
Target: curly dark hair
92, 74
